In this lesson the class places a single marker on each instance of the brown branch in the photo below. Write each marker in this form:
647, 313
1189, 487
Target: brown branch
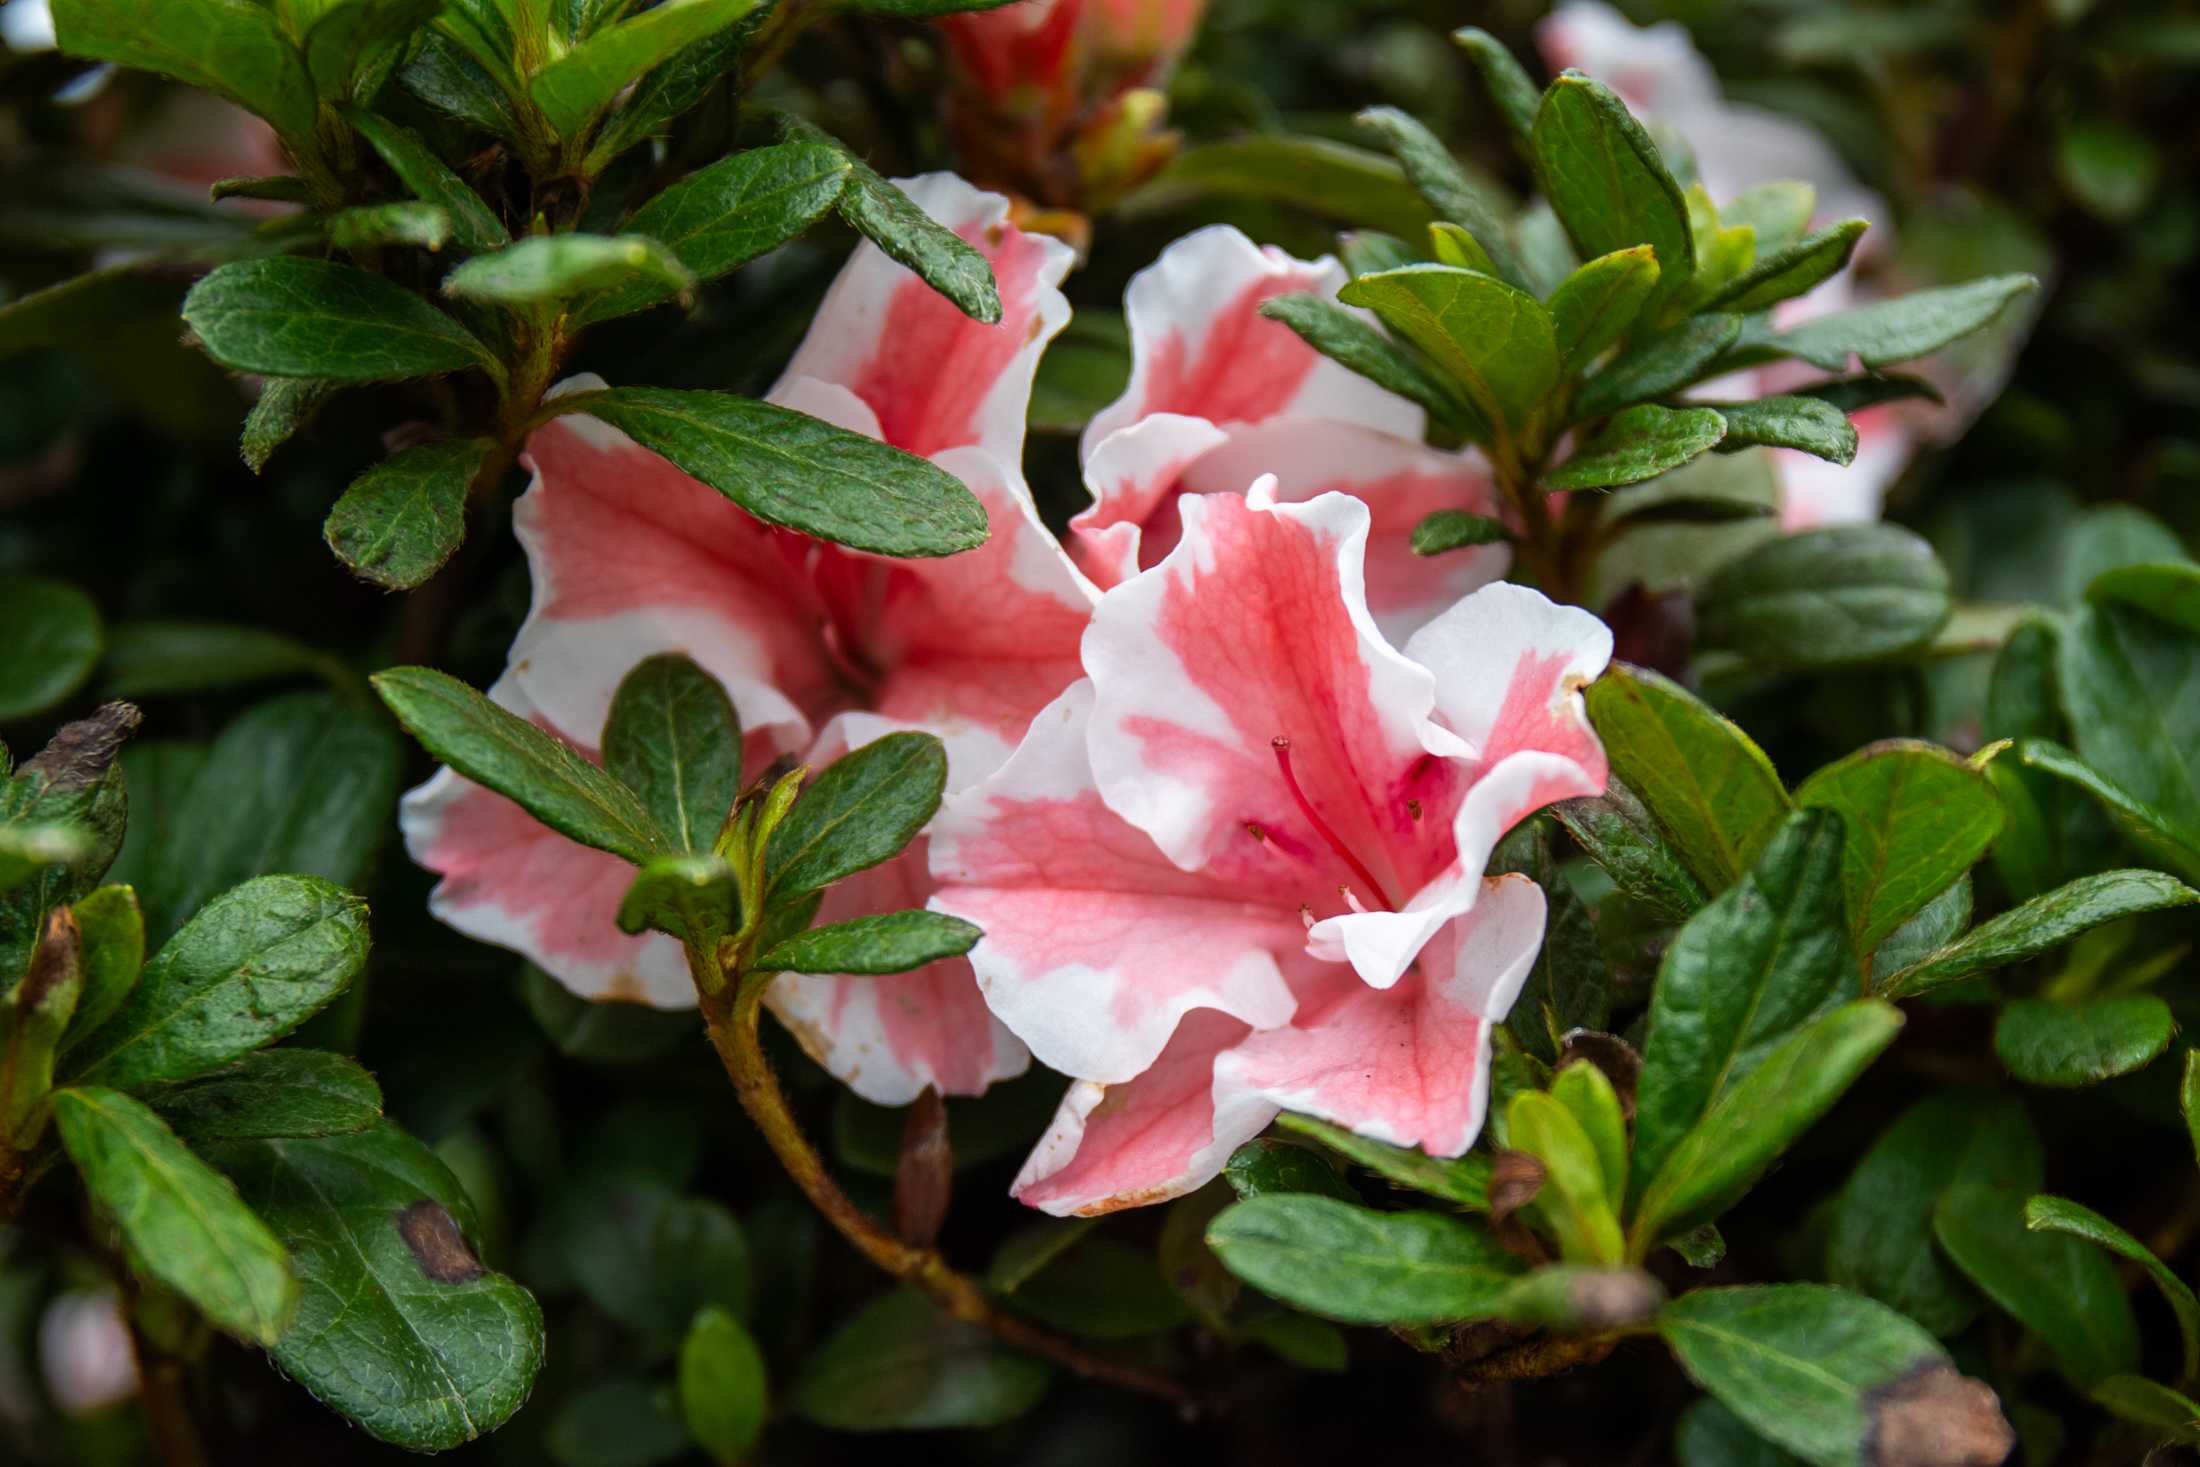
1548, 1355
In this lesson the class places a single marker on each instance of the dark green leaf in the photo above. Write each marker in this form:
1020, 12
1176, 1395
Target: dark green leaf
112, 930
1785, 273
352, 46
1345, 338
400, 1327
285, 405
563, 267
1332, 1258
232, 48
2063, 1290
885, 942
574, 89
793, 470
61, 314
2128, 681
694, 896
68, 808
185, 1226
1102, 1290
442, 74
1516, 96
863, 809
474, 226
1328, 179
1437, 177
1886, 332
276, 1093
620, 1423
902, 1365
1267, 1166
1495, 341
1917, 817
52, 644
1829, 597
602, 1033
519, 761
1616, 831
1665, 363
402, 519
1569, 985
1810, 424
1605, 179
249, 967
1709, 1435
2040, 925
1596, 305
2050, 1042
725, 1395
1939, 922
2147, 827
1310, 1344
2169, 591
1639, 443
2058, 1215
315, 318
147, 659
674, 739
1854, 394
1028, 1251
1455, 529
1463, 1181
2135, 1398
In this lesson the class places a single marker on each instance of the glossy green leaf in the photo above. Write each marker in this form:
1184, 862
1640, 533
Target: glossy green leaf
399, 1326
2050, 1042
674, 86
864, 808
1455, 529
275, 1093
1463, 1181
1606, 181
1916, 818
800, 472
474, 226
673, 738
557, 268
1879, 1239
574, 89
1663, 364
1709, 786
884, 942
1636, 444
353, 45
284, 407
1617, 831
315, 318
2059, 1215
1335, 1259
902, 1365
1437, 177
508, 754
1785, 273
2040, 925
1899, 330
231, 48
1267, 1166
1829, 597
1596, 305
1495, 341
252, 965
53, 642
1809, 424
402, 519
2060, 1288
1346, 338
1588, 1096
1453, 245
725, 1395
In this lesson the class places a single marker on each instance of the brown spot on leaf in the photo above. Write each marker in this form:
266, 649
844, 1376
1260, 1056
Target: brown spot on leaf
1620, 1061
1514, 1181
924, 1175
56, 971
81, 752
1935, 1416
437, 1244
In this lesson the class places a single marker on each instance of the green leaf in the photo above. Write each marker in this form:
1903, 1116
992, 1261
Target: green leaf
1310, 1344
1495, 341
1763, 959
508, 754
902, 1365
562, 267
60, 314
232, 48
275, 1093
372, 226
249, 967
725, 1395
315, 318
1463, 1181
885, 216
2146, 827
474, 226
1753, 1122
1709, 786
1577, 1299
1786, 273
399, 1325
2128, 682
884, 942
1572, 1201
1617, 832
2040, 925
674, 86
723, 216
1829, 597
1596, 305
863, 809
1639, 443
2168, 591
1917, 817
1810, 424
2135, 1398
1334, 1259
1345, 338
1089, 364
1879, 1239
1330, 180
2058, 1287
1453, 245
694, 896
147, 659
1437, 177
673, 738
185, 1226
303, 784
1455, 529
1268, 1166
112, 931
1886, 332
1813, 1368
1102, 1290
2058, 1215
2049, 1042
798, 472
1587, 1094
402, 519
285, 405
53, 643
1509, 86
1607, 183
1663, 364
574, 89
1027, 1251
352, 47
620, 1423
67, 802
1709, 1435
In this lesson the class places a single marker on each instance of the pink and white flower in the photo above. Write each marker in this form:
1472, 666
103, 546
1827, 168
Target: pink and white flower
1219, 395
821, 649
1240, 866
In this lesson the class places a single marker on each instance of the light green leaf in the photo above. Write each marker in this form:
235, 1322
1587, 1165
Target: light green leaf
1348, 1263
1784, 273
694, 896
113, 936
725, 1396
315, 318
563, 267
402, 519
1596, 305
1639, 443
1605, 179
371, 226
1572, 1201
1495, 341
574, 89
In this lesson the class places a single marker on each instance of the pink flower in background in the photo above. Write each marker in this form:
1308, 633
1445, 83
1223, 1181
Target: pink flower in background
1052, 58
1219, 395
1244, 858
821, 649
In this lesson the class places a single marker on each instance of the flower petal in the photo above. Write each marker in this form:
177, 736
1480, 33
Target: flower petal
933, 377
1095, 945
1135, 475
1161, 1135
1409, 1065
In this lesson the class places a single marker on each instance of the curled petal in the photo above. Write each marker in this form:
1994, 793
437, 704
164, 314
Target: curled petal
1135, 475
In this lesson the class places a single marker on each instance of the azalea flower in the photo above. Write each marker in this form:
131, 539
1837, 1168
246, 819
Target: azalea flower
820, 649
1219, 395
1240, 865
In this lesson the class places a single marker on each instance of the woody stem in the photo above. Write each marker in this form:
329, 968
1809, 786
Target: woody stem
731, 1016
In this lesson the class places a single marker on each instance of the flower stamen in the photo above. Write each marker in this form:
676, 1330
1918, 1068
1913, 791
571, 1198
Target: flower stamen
1282, 746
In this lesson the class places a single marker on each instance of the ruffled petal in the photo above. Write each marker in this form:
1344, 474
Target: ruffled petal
1409, 1065
1135, 475
1095, 945
932, 377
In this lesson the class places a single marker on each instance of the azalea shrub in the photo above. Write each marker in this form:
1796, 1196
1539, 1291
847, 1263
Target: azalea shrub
1097, 726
